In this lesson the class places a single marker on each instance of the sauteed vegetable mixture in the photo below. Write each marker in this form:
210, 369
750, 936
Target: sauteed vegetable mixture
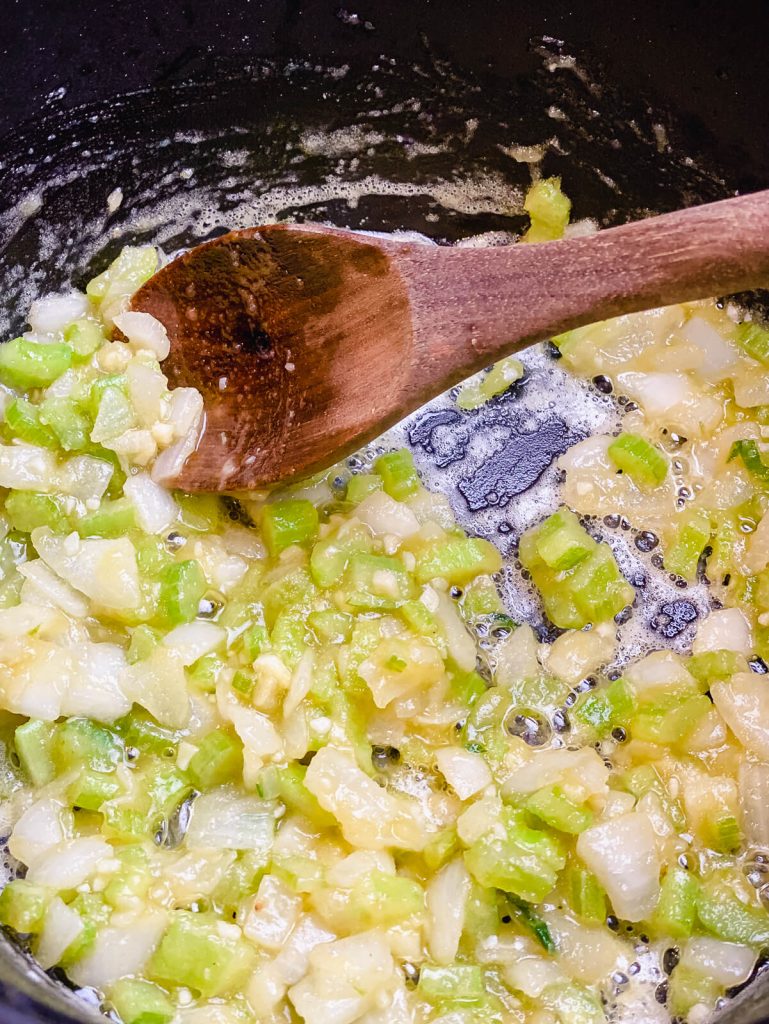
255, 768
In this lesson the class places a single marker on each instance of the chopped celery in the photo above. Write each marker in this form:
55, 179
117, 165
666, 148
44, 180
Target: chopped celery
499, 378
300, 874
641, 461
124, 823
289, 522
676, 911
688, 988
287, 784
754, 339
361, 485
288, 636
526, 916
152, 556
80, 742
725, 834
457, 983
92, 789
195, 952
399, 477
330, 556
751, 457
140, 730
70, 425
606, 709
467, 687
243, 683
99, 386
241, 880
144, 640
720, 912
254, 641
643, 779
122, 277
182, 585
420, 619
378, 899
586, 895
712, 665
331, 626
521, 860
440, 849
670, 720
33, 742
200, 512
561, 541
166, 786
141, 1002
457, 560
551, 805
31, 364
218, 759
548, 209
94, 913
111, 519
84, 337
23, 906
684, 553
375, 583
573, 1003
22, 419
481, 598
26, 510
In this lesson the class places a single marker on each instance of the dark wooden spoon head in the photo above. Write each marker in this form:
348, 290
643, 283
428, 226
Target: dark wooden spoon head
266, 323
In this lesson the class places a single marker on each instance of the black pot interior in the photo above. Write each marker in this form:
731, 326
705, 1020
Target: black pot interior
394, 116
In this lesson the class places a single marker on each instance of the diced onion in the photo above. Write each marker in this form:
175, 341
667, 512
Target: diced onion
383, 515
223, 819
273, 915
744, 704
158, 683
69, 864
61, 926
43, 826
104, 570
192, 640
155, 507
577, 653
52, 313
658, 670
622, 853
120, 951
754, 799
517, 657
724, 630
582, 769
447, 897
25, 467
186, 417
45, 587
85, 477
718, 355
144, 331
461, 646
467, 773
727, 963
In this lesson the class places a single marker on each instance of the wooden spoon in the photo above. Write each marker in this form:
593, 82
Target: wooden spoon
306, 342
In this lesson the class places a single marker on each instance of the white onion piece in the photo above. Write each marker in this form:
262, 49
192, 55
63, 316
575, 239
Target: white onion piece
587, 953
461, 646
357, 865
104, 570
61, 926
301, 681
622, 854
292, 961
48, 588
94, 686
146, 389
43, 826
727, 963
383, 515
27, 618
719, 356
660, 669
224, 819
757, 547
517, 657
155, 507
447, 896
52, 313
466, 772
754, 798
532, 975
744, 704
158, 683
186, 417
273, 915
583, 768
69, 864
144, 331
724, 630
577, 653
193, 640
119, 951
85, 477
25, 467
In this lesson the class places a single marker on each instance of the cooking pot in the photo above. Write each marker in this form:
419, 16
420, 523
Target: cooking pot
169, 123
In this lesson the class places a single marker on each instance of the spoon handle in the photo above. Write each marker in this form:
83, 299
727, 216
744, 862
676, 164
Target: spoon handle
473, 306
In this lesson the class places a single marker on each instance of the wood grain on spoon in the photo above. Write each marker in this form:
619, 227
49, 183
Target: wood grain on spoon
306, 342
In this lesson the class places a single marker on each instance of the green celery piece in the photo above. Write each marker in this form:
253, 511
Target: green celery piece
607, 708
551, 805
712, 665
31, 364
111, 519
131, 268
669, 721
254, 641
721, 913
361, 485
99, 386
330, 626
200, 512
92, 789
243, 683
751, 457
687, 988
218, 759
22, 419
140, 1002
152, 556
548, 209
676, 911
300, 874
26, 510
481, 598
645, 779
440, 849
420, 619
166, 786
330, 556
600, 590
457, 983
130, 882
399, 476
33, 742
724, 835
70, 425
288, 637
524, 862
82, 743
124, 823
94, 913
467, 687
484, 731
693, 535
293, 590
140, 730
562, 542
378, 899
641, 461
115, 415
194, 953
457, 560
144, 640
241, 880
23, 906
362, 589
182, 585
294, 521
290, 789
573, 1003
500, 377
754, 340
84, 337
526, 916
586, 895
